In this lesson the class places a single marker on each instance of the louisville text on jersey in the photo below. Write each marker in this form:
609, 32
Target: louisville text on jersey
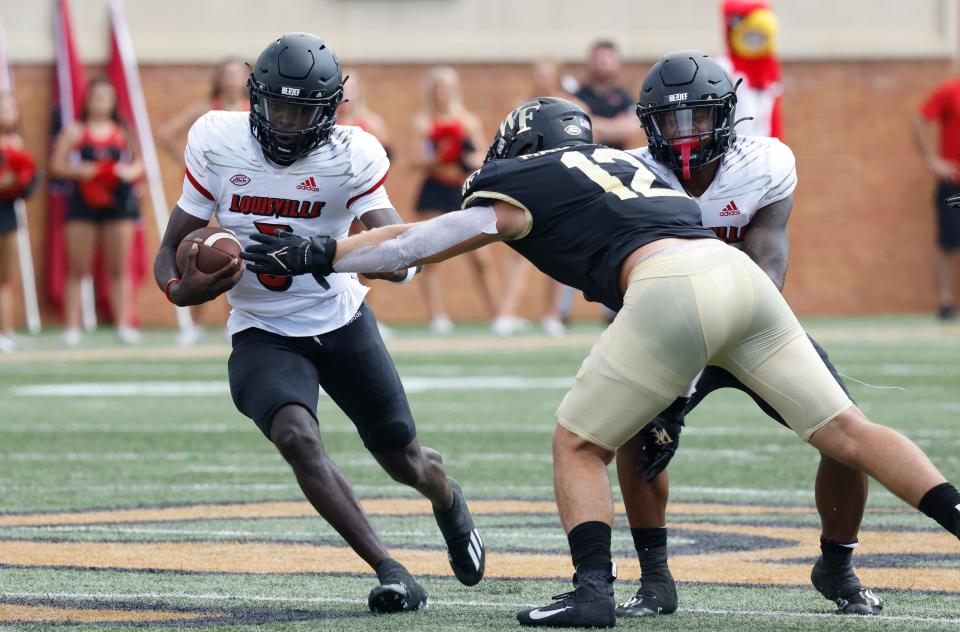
275, 207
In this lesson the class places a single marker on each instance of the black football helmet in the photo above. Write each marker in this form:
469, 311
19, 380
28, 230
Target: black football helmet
295, 88
539, 124
687, 107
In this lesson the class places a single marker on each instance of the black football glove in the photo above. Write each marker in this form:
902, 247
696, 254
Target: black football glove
660, 439
953, 201
286, 254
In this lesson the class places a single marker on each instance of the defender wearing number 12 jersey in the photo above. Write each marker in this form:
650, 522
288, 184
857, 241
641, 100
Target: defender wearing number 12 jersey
578, 235
287, 168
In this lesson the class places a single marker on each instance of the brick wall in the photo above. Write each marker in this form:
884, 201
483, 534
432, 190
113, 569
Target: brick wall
862, 233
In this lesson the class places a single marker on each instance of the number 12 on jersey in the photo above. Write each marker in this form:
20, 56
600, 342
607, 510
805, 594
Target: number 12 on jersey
641, 184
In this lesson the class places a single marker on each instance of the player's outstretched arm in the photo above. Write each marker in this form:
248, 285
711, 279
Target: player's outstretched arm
388, 248
378, 218
431, 241
190, 286
767, 243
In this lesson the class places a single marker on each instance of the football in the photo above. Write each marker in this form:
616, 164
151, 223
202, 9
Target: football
218, 246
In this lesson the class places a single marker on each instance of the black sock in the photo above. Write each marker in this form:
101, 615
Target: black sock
387, 569
836, 556
644, 539
590, 545
651, 545
942, 503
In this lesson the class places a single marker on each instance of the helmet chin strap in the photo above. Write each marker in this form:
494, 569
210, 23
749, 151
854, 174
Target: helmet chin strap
684, 145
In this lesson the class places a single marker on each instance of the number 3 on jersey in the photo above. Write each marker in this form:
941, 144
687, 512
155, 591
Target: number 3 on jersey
273, 282
643, 178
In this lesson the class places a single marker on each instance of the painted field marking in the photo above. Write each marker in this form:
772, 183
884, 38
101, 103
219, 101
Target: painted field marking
773, 563
721, 492
412, 384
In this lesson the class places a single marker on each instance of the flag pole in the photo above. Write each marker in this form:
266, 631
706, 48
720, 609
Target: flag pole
28, 282
148, 150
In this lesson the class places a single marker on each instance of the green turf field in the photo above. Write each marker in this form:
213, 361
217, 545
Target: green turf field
134, 494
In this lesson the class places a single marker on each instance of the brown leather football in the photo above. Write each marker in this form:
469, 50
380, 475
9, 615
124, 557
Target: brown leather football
218, 246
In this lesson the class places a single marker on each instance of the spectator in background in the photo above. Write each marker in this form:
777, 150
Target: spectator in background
611, 110
610, 106
17, 173
354, 111
546, 81
942, 109
228, 92
448, 136
103, 206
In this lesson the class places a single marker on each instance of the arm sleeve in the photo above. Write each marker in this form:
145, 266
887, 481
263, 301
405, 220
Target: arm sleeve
370, 165
199, 183
933, 108
783, 174
421, 241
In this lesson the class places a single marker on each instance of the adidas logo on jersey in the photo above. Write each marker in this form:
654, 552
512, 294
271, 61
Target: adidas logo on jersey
729, 209
309, 185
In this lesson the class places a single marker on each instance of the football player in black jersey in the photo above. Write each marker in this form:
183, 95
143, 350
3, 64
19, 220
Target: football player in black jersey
595, 218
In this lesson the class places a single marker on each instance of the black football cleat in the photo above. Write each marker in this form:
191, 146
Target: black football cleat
653, 598
844, 589
398, 590
465, 550
589, 605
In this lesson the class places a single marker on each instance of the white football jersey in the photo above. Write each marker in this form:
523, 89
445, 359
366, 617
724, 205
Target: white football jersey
228, 174
754, 172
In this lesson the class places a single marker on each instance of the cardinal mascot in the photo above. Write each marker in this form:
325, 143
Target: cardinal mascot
751, 38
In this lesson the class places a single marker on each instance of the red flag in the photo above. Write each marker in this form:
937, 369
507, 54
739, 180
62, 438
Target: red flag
68, 87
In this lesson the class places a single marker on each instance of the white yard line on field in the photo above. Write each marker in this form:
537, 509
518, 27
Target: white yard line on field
497, 534
157, 596
413, 384
492, 491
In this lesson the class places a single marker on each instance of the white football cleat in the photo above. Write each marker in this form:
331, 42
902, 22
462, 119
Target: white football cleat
509, 325
128, 335
190, 336
385, 332
553, 326
7, 344
441, 325
72, 337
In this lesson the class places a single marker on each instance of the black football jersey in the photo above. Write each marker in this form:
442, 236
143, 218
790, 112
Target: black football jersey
591, 206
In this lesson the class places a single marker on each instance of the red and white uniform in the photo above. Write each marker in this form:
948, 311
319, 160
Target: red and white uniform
227, 174
758, 107
754, 172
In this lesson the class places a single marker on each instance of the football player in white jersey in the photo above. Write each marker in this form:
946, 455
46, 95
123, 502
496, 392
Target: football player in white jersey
744, 186
287, 166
